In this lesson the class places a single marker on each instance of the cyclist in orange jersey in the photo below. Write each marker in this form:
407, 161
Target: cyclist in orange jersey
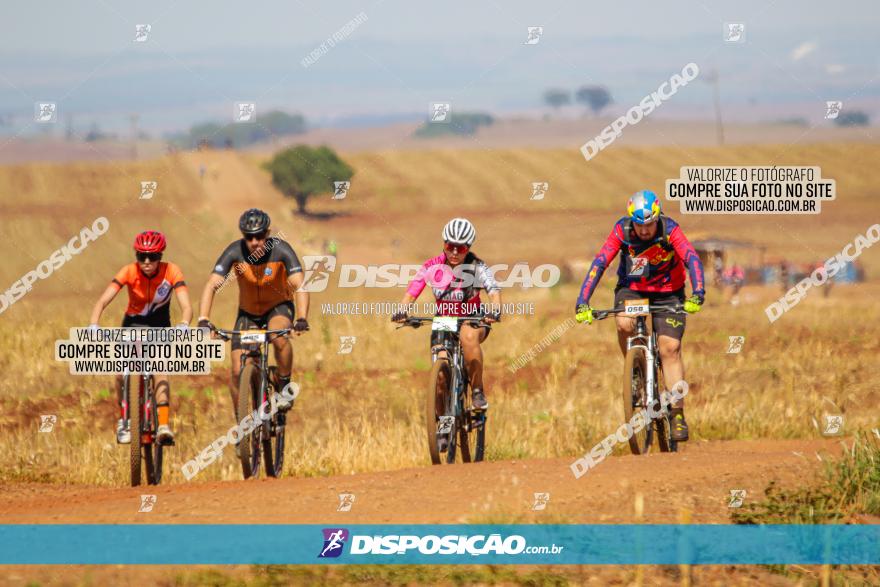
150, 282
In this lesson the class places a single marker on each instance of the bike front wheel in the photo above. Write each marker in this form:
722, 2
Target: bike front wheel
135, 409
249, 446
152, 450
439, 419
663, 423
635, 398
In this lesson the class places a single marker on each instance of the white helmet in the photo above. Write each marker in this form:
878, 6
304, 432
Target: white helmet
459, 231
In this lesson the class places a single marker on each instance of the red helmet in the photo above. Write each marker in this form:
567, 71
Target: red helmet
149, 241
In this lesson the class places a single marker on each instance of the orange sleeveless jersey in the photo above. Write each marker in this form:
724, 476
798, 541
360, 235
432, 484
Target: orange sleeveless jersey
149, 296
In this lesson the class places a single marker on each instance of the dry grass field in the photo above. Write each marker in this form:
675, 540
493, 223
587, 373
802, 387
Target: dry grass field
361, 413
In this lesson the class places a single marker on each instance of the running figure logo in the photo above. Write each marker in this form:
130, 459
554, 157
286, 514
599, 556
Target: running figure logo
832, 109
734, 32
346, 500
638, 266
147, 503
141, 32
245, 112
340, 189
541, 500
334, 540
833, 425
318, 269
534, 37
45, 112
440, 111
735, 344
346, 344
47, 423
737, 496
539, 190
148, 189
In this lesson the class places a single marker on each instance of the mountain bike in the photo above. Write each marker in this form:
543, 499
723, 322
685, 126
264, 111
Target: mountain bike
139, 409
453, 426
257, 384
643, 376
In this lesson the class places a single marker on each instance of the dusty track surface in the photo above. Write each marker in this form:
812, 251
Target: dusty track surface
698, 480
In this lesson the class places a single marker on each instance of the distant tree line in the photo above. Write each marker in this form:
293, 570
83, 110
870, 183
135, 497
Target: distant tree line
274, 123
594, 97
461, 124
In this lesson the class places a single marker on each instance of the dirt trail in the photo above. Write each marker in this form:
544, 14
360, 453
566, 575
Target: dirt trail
698, 479
233, 185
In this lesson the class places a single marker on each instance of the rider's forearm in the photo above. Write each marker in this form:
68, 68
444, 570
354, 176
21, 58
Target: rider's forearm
207, 301
495, 298
97, 311
186, 312
301, 301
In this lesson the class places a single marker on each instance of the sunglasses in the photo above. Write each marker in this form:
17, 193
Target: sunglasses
144, 257
260, 236
456, 249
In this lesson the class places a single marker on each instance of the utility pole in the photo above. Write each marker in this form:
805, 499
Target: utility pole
712, 78
134, 136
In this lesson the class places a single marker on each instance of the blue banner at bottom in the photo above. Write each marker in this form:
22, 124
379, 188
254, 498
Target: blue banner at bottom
438, 544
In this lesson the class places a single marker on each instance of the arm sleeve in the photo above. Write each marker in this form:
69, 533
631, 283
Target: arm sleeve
606, 254
175, 276
417, 285
120, 280
686, 252
485, 279
227, 259
288, 256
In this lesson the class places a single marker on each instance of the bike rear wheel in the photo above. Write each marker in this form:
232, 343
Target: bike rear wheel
635, 393
472, 437
273, 456
249, 446
438, 404
663, 423
152, 450
134, 426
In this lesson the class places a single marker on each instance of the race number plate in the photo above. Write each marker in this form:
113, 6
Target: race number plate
636, 307
445, 323
253, 336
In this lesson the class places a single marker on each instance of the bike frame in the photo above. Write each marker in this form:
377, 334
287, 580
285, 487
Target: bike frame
648, 344
261, 356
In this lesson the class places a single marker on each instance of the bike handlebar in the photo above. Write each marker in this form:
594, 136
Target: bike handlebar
417, 321
669, 308
228, 334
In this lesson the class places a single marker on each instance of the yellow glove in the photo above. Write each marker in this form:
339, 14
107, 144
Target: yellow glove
693, 304
584, 314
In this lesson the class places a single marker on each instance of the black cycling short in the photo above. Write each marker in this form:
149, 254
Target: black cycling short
664, 323
437, 335
245, 321
151, 321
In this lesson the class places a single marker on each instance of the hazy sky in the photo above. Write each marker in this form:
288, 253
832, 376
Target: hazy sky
202, 56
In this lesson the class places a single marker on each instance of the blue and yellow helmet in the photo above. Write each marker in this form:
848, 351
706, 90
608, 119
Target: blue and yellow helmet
643, 207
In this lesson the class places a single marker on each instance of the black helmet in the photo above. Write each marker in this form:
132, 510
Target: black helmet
253, 221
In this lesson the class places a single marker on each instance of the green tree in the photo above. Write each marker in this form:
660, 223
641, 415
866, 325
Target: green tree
596, 97
852, 118
557, 98
302, 171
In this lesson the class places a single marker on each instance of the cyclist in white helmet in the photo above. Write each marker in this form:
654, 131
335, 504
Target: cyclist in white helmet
456, 276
